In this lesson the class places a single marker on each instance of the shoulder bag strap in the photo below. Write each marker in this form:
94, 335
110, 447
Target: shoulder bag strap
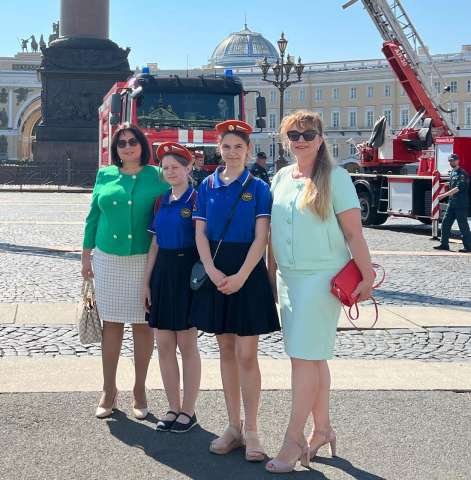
232, 212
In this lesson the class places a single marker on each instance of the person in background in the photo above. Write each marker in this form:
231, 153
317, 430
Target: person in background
457, 209
199, 173
116, 232
259, 169
167, 292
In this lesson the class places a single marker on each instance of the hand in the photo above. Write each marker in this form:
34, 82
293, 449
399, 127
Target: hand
147, 299
441, 197
215, 275
87, 270
364, 290
231, 284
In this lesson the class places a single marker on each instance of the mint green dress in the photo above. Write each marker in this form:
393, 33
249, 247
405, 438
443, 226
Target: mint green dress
308, 252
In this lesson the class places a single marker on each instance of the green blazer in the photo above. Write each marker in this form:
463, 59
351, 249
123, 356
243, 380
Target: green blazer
121, 209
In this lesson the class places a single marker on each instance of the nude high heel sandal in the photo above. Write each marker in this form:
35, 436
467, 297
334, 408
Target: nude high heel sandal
324, 437
280, 466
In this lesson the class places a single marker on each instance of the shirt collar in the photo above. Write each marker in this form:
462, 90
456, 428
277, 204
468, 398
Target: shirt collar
218, 182
184, 198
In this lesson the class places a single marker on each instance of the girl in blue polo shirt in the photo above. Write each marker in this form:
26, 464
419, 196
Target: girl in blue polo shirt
236, 303
167, 293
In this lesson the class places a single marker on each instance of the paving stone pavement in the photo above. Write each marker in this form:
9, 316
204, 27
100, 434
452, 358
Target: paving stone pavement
433, 344
36, 228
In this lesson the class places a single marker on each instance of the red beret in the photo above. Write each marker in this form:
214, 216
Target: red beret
173, 148
234, 126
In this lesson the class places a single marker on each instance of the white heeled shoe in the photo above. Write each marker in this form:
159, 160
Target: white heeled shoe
140, 413
102, 412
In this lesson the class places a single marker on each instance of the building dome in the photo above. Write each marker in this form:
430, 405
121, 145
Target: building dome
243, 49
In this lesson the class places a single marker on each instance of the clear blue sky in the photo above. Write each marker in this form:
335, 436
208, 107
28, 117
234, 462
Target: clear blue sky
318, 30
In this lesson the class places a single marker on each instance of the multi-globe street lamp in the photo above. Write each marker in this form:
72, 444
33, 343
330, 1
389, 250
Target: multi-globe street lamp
282, 70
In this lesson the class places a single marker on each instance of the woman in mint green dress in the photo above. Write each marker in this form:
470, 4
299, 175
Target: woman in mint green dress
315, 230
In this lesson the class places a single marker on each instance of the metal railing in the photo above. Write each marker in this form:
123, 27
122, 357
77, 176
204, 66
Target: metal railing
45, 173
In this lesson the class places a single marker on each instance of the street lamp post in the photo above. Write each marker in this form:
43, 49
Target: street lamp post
282, 70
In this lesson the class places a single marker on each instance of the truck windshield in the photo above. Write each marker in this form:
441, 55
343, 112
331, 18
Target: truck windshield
185, 110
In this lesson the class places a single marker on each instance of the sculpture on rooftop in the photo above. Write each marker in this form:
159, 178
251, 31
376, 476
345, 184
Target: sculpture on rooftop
24, 44
34, 44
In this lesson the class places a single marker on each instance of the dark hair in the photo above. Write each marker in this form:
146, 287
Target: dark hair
241, 135
137, 132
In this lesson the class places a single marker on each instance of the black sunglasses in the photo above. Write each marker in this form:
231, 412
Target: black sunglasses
308, 135
132, 142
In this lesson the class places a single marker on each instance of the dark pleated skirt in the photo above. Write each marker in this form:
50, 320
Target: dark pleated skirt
250, 311
170, 289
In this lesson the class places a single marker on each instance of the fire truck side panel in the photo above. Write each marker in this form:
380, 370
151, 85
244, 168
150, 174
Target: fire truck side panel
400, 196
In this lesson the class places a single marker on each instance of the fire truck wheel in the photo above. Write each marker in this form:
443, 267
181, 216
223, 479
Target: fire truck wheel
369, 216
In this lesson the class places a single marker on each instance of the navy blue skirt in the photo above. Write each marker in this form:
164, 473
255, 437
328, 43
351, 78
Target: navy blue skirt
250, 311
170, 289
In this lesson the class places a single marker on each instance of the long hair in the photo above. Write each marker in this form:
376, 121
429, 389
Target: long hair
317, 195
141, 138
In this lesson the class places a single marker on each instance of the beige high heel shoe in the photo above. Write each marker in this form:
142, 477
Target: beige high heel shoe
102, 412
324, 437
140, 413
228, 441
256, 452
280, 466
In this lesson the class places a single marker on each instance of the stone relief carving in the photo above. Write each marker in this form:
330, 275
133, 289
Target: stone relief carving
21, 94
89, 59
73, 102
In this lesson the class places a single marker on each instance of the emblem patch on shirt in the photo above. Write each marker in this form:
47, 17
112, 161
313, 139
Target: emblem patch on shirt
185, 213
247, 196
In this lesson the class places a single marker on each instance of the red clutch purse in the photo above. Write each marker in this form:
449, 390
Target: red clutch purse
344, 284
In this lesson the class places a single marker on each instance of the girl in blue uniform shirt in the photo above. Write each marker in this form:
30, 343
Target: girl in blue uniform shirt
167, 292
236, 303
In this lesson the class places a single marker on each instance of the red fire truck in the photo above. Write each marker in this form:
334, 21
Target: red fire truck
176, 109
395, 174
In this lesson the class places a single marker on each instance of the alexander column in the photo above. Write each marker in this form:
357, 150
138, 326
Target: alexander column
77, 70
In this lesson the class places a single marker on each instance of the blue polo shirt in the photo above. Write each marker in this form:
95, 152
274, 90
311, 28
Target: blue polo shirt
172, 224
215, 200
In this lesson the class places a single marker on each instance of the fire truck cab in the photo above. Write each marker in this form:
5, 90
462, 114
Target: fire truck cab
176, 109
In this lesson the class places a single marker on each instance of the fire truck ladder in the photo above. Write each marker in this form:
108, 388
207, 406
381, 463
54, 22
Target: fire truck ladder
395, 26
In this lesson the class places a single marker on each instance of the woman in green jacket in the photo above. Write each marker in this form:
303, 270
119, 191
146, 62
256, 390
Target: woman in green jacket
116, 231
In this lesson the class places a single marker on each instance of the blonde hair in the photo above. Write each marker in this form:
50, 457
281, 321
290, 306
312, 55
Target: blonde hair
317, 196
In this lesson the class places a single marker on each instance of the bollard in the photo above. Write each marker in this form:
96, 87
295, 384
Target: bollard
435, 203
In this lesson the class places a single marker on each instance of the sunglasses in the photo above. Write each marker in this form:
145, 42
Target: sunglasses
308, 135
132, 142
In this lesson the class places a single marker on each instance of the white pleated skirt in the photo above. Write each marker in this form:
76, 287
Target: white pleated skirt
119, 284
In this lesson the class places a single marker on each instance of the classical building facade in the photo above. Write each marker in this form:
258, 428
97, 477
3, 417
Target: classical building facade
20, 105
350, 96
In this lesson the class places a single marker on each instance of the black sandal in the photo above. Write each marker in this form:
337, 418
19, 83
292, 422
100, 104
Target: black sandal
165, 425
178, 427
